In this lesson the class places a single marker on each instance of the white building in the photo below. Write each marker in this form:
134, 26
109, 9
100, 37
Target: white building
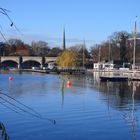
98, 66
103, 66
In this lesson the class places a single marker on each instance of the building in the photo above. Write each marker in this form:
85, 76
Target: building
114, 64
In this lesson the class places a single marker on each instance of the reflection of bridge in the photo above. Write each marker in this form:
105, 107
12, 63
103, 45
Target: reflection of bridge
20, 60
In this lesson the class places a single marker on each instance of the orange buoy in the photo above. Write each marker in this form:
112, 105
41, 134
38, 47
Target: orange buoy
10, 78
69, 84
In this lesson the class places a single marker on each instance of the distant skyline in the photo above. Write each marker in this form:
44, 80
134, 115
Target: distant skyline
90, 20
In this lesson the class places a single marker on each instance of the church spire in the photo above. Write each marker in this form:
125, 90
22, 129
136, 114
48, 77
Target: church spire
64, 40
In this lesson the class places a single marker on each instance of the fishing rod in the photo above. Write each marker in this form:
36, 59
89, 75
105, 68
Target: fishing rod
10, 108
35, 115
3, 36
20, 103
4, 11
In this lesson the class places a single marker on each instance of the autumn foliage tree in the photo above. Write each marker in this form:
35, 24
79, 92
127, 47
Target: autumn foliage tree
67, 59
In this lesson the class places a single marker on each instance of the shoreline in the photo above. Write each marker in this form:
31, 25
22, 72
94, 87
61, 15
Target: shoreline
86, 72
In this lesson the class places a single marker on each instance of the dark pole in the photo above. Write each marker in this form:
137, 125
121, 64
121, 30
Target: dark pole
64, 40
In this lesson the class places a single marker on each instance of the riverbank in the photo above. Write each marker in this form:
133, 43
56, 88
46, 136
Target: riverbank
56, 71
75, 70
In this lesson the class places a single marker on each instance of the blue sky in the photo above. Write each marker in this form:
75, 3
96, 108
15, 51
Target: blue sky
92, 20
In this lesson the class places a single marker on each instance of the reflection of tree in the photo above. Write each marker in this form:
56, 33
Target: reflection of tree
62, 90
123, 94
119, 93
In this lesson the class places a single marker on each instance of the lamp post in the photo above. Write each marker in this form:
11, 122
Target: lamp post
83, 49
109, 55
134, 54
99, 57
134, 49
135, 37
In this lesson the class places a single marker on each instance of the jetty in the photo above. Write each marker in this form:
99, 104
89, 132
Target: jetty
67, 71
114, 78
56, 71
121, 77
134, 79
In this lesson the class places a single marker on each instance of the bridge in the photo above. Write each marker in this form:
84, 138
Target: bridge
21, 61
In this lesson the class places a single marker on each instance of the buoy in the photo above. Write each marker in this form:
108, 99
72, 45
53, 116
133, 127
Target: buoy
10, 78
69, 84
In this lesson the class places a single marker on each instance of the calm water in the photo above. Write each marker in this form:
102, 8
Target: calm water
89, 110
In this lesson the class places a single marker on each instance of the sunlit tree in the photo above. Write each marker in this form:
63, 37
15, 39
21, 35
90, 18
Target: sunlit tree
67, 59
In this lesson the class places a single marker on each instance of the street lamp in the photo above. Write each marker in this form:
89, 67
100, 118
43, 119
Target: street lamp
135, 37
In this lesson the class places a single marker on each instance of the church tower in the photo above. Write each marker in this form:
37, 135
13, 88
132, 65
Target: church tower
64, 40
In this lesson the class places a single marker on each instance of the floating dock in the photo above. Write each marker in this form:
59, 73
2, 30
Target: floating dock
114, 78
68, 71
57, 71
134, 78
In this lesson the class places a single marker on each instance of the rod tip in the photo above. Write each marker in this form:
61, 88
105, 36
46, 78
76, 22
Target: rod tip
54, 122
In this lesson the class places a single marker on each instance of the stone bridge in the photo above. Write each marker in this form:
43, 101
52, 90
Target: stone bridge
19, 60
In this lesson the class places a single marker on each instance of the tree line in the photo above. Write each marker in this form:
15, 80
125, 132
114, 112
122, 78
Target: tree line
118, 46
16, 47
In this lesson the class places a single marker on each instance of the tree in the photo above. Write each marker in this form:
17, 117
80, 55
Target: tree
54, 52
2, 49
15, 42
40, 48
67, 59
94, 51
120, 39
123, 49
82, 53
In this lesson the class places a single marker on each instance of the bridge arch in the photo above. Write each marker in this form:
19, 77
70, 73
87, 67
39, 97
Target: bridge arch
29, 64
31, 61
7, 64
32, 58
10, 58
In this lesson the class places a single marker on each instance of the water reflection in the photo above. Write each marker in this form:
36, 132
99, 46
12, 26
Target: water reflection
133, 113
122, 96
62, 90
133, 110
93, 106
